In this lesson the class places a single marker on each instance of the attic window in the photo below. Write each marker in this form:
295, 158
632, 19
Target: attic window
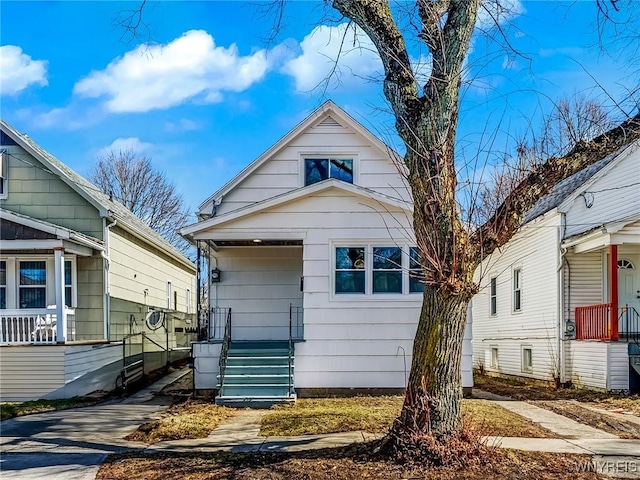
319, 169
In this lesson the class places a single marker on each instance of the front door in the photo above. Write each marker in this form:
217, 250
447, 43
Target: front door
628, 287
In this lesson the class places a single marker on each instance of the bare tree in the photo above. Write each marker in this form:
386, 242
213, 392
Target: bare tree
132, 180
571, 121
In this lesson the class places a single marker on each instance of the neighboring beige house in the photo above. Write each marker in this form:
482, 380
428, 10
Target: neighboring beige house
311, 243
78, 273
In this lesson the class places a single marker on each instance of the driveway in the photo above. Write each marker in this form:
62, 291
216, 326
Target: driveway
71, 444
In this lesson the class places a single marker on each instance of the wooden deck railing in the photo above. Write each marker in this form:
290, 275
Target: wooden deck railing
592, 322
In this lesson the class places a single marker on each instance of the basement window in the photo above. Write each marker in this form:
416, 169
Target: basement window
494, 357
527, 359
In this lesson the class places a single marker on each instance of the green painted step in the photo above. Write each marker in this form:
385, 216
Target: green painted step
254, 379
255, 390
253, 402
257, 361
258, 369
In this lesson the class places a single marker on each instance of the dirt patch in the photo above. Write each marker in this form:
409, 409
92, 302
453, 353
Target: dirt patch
182, 387
602, 421
189, 419
338, 464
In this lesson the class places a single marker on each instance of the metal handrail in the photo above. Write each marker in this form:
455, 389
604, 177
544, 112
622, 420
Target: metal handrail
290, 348
630, 318
226, 341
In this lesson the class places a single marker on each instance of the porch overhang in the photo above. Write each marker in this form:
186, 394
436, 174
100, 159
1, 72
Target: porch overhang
24, 233
618, 233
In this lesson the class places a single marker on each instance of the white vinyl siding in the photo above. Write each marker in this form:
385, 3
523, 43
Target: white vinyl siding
534, 251
601, 202
601, 365
284, 172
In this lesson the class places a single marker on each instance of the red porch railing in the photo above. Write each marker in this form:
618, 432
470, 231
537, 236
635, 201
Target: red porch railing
592, 322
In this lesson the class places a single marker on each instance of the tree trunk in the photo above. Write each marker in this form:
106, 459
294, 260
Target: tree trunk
434, 390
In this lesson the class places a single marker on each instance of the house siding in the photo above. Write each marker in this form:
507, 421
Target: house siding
599, 365
534, 250
29, 372
601, 202
35, 192
284, 171
583, 281
135, 268
90, 297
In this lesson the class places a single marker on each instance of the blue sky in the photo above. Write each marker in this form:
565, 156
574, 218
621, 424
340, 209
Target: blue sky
206, 94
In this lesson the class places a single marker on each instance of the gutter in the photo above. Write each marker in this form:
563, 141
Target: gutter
560, 304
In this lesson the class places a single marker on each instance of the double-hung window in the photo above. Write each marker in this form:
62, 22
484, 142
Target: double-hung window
493, 296
517, 289
387, 270
3, 284
32, 286
350, 270
68, 283
319, 169
377, 270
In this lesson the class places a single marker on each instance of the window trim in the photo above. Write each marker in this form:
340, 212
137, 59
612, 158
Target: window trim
493, 296
329, 153
514, 289
368, 245
20, 287
188, 300
523, 367
495, 359
169, 294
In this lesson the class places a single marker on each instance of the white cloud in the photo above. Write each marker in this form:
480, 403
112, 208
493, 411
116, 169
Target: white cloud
182, 125
123, 144
190, 68
356, 58
18, 70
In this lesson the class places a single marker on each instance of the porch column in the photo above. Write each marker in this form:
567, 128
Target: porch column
61, 311
613, 292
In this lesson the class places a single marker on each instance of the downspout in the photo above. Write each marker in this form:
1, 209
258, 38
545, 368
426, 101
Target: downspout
560, 307
106, 256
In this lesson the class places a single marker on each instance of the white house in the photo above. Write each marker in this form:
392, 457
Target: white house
79, 274
560, 301
312, 242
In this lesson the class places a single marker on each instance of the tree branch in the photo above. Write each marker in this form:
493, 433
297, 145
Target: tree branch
539, 182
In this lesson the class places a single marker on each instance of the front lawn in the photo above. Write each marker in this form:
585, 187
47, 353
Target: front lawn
376, 414
189, 419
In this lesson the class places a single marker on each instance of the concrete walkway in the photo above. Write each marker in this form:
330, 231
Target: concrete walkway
72, 444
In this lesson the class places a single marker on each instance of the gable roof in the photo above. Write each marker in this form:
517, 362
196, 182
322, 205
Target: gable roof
325, 110
568, 188
296, 194
94, 196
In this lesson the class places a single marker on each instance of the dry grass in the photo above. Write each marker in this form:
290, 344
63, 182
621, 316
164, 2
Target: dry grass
376, 414
18, 409
501, 422
332, 415
626, 404
189, 419
337, 464
525, 389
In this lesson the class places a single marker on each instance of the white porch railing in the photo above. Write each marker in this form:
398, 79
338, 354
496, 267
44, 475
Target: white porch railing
35, 326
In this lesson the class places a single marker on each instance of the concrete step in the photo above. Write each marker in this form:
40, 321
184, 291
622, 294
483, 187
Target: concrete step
253, 402
247, 379
246, 361
255, 390
258, 369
